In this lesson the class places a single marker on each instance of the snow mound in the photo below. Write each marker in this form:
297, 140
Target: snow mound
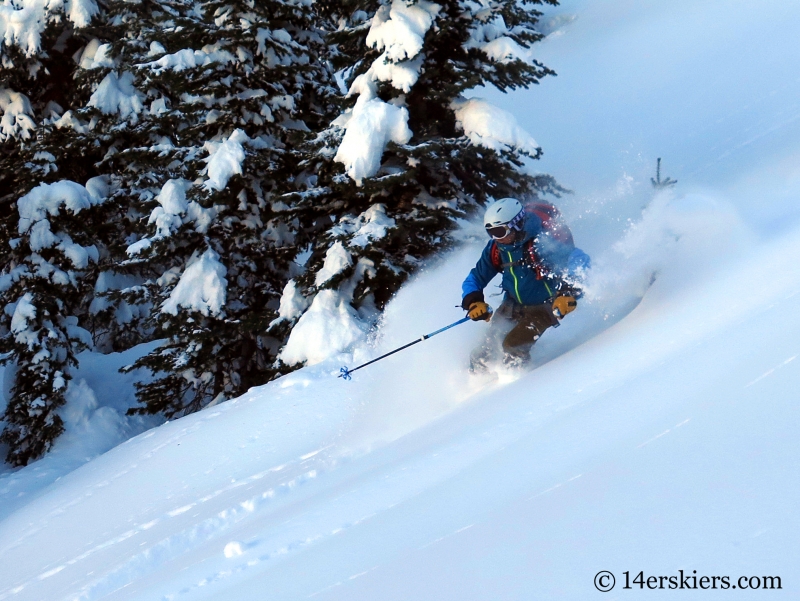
329, 326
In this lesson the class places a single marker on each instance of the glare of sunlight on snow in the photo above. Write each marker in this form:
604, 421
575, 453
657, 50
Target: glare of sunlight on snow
233, 549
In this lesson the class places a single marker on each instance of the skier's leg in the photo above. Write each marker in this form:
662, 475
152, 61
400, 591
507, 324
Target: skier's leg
531, 323
490, 348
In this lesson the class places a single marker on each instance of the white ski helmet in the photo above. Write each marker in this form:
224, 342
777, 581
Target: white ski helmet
501, 217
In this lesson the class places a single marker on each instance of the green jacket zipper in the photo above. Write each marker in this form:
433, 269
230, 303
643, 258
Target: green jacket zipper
516, 283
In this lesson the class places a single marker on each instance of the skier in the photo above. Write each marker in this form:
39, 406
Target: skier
541, 268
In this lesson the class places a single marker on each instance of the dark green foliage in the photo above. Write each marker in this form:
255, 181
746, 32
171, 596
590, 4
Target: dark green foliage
658, 183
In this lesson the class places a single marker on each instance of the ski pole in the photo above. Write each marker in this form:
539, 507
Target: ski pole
345, 373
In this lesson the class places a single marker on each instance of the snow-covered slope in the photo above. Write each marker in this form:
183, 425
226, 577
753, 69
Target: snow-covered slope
653, 436
711, 87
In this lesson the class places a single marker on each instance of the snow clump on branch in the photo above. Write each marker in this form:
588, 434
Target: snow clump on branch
491, 39
337, 259
491, 127
372, 123
23, 21
95, 56
372, 224
292, 303
400, 29
202, 286
116, 94
189, 59
369, 127
16, 121
225, 160
47, 200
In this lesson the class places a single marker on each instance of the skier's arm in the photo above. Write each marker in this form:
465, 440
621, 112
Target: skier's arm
478, 278
555, 253
579, 262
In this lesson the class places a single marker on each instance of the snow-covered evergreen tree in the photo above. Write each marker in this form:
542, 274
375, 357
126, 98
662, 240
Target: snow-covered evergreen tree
410, 155
37, 40
193, 114
227, 89
45, 288
51, 223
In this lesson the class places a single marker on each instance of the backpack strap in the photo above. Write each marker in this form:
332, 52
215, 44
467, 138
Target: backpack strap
529, 258
494, 255
535, 262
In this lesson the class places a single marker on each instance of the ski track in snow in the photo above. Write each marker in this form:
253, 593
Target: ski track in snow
258, 495
188, 537
199, 533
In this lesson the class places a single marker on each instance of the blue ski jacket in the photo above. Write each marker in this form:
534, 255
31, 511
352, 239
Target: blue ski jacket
522, 281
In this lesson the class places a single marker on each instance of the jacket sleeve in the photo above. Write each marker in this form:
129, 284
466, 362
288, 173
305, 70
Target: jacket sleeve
553, 252
478, 278
579, 263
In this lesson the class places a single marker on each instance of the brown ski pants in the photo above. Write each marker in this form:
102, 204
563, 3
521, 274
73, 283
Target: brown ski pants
513, 329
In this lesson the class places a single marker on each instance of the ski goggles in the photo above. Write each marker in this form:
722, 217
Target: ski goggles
499, 231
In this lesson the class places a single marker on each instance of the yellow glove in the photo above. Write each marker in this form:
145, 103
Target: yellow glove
479, 311
563, 305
